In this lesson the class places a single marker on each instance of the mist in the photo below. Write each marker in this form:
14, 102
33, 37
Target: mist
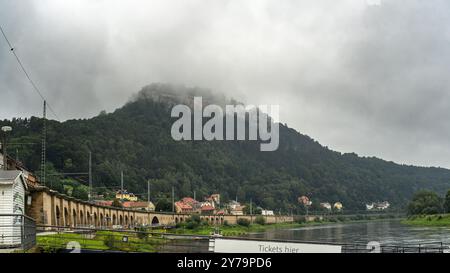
358, 76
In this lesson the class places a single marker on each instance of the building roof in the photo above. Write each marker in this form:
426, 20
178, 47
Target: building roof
131, 204
182, 205
9, 175
208, 207
238, 208
104, 203
189, 200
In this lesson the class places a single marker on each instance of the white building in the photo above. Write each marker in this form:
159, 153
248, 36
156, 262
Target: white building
267, 212
325, 205
12, 207
378, 206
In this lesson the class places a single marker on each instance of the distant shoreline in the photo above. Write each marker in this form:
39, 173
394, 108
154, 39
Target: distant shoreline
237, 230
438, 220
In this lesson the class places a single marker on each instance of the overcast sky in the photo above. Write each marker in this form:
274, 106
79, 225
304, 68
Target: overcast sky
364, 76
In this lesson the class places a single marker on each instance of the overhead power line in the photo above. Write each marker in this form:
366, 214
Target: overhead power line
11, 48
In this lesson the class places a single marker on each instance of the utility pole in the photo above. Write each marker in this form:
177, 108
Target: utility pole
194, 196
173, 199
251, 212
148, 191
121, 180
44, 140
90, 175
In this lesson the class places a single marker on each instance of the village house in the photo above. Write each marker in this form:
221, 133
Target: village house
378, 206
267, 212
207, 209
125, 195
214, 200
181, 207
304, 200
236, 208
325, 205
338, 206
13, 189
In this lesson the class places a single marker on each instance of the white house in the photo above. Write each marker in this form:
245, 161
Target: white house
267, 212
325, 205
12, 207
370, 206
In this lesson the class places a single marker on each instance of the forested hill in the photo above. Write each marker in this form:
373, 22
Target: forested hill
136, 139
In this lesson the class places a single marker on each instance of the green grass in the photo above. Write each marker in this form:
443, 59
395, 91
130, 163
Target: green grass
101, 240
438, 220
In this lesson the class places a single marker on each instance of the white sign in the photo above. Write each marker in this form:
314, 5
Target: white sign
248, 246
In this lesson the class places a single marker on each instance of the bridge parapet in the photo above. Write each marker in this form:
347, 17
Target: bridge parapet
52, 208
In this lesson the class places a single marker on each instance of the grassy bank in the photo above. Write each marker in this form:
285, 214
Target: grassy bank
239, 230
100, 240
439, 220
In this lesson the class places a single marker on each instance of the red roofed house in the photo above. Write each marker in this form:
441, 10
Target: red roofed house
181, 207
207, 209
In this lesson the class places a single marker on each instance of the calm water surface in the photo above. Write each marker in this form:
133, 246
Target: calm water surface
385, 232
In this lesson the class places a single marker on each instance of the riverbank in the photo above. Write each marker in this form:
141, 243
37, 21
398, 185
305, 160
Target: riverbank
439, 220
239, 230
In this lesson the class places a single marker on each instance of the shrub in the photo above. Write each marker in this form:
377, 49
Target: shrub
142, 233
109, 241
300, 219
243, 222
194, 222
260, 220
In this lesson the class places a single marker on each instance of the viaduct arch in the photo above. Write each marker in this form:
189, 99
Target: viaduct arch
51, 208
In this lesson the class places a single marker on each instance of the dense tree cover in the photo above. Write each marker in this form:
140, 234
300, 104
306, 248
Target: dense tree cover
136, 139
447, 202
425, 202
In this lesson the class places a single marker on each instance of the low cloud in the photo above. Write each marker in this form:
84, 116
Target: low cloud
359, 76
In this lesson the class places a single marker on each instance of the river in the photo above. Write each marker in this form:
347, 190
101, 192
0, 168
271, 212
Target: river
386, 232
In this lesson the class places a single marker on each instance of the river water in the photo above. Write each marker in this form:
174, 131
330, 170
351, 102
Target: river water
386, 232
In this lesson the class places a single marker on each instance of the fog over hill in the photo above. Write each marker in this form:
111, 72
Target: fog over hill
136, 139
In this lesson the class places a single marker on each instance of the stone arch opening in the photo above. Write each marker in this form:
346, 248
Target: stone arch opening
88, 219
155, 220
95, 219
131, 220
120, 220
58, 216
114, 220
66, 217
74, 218
81, 218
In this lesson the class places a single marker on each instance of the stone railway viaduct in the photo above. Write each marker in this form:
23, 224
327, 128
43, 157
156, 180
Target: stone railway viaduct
50, 208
